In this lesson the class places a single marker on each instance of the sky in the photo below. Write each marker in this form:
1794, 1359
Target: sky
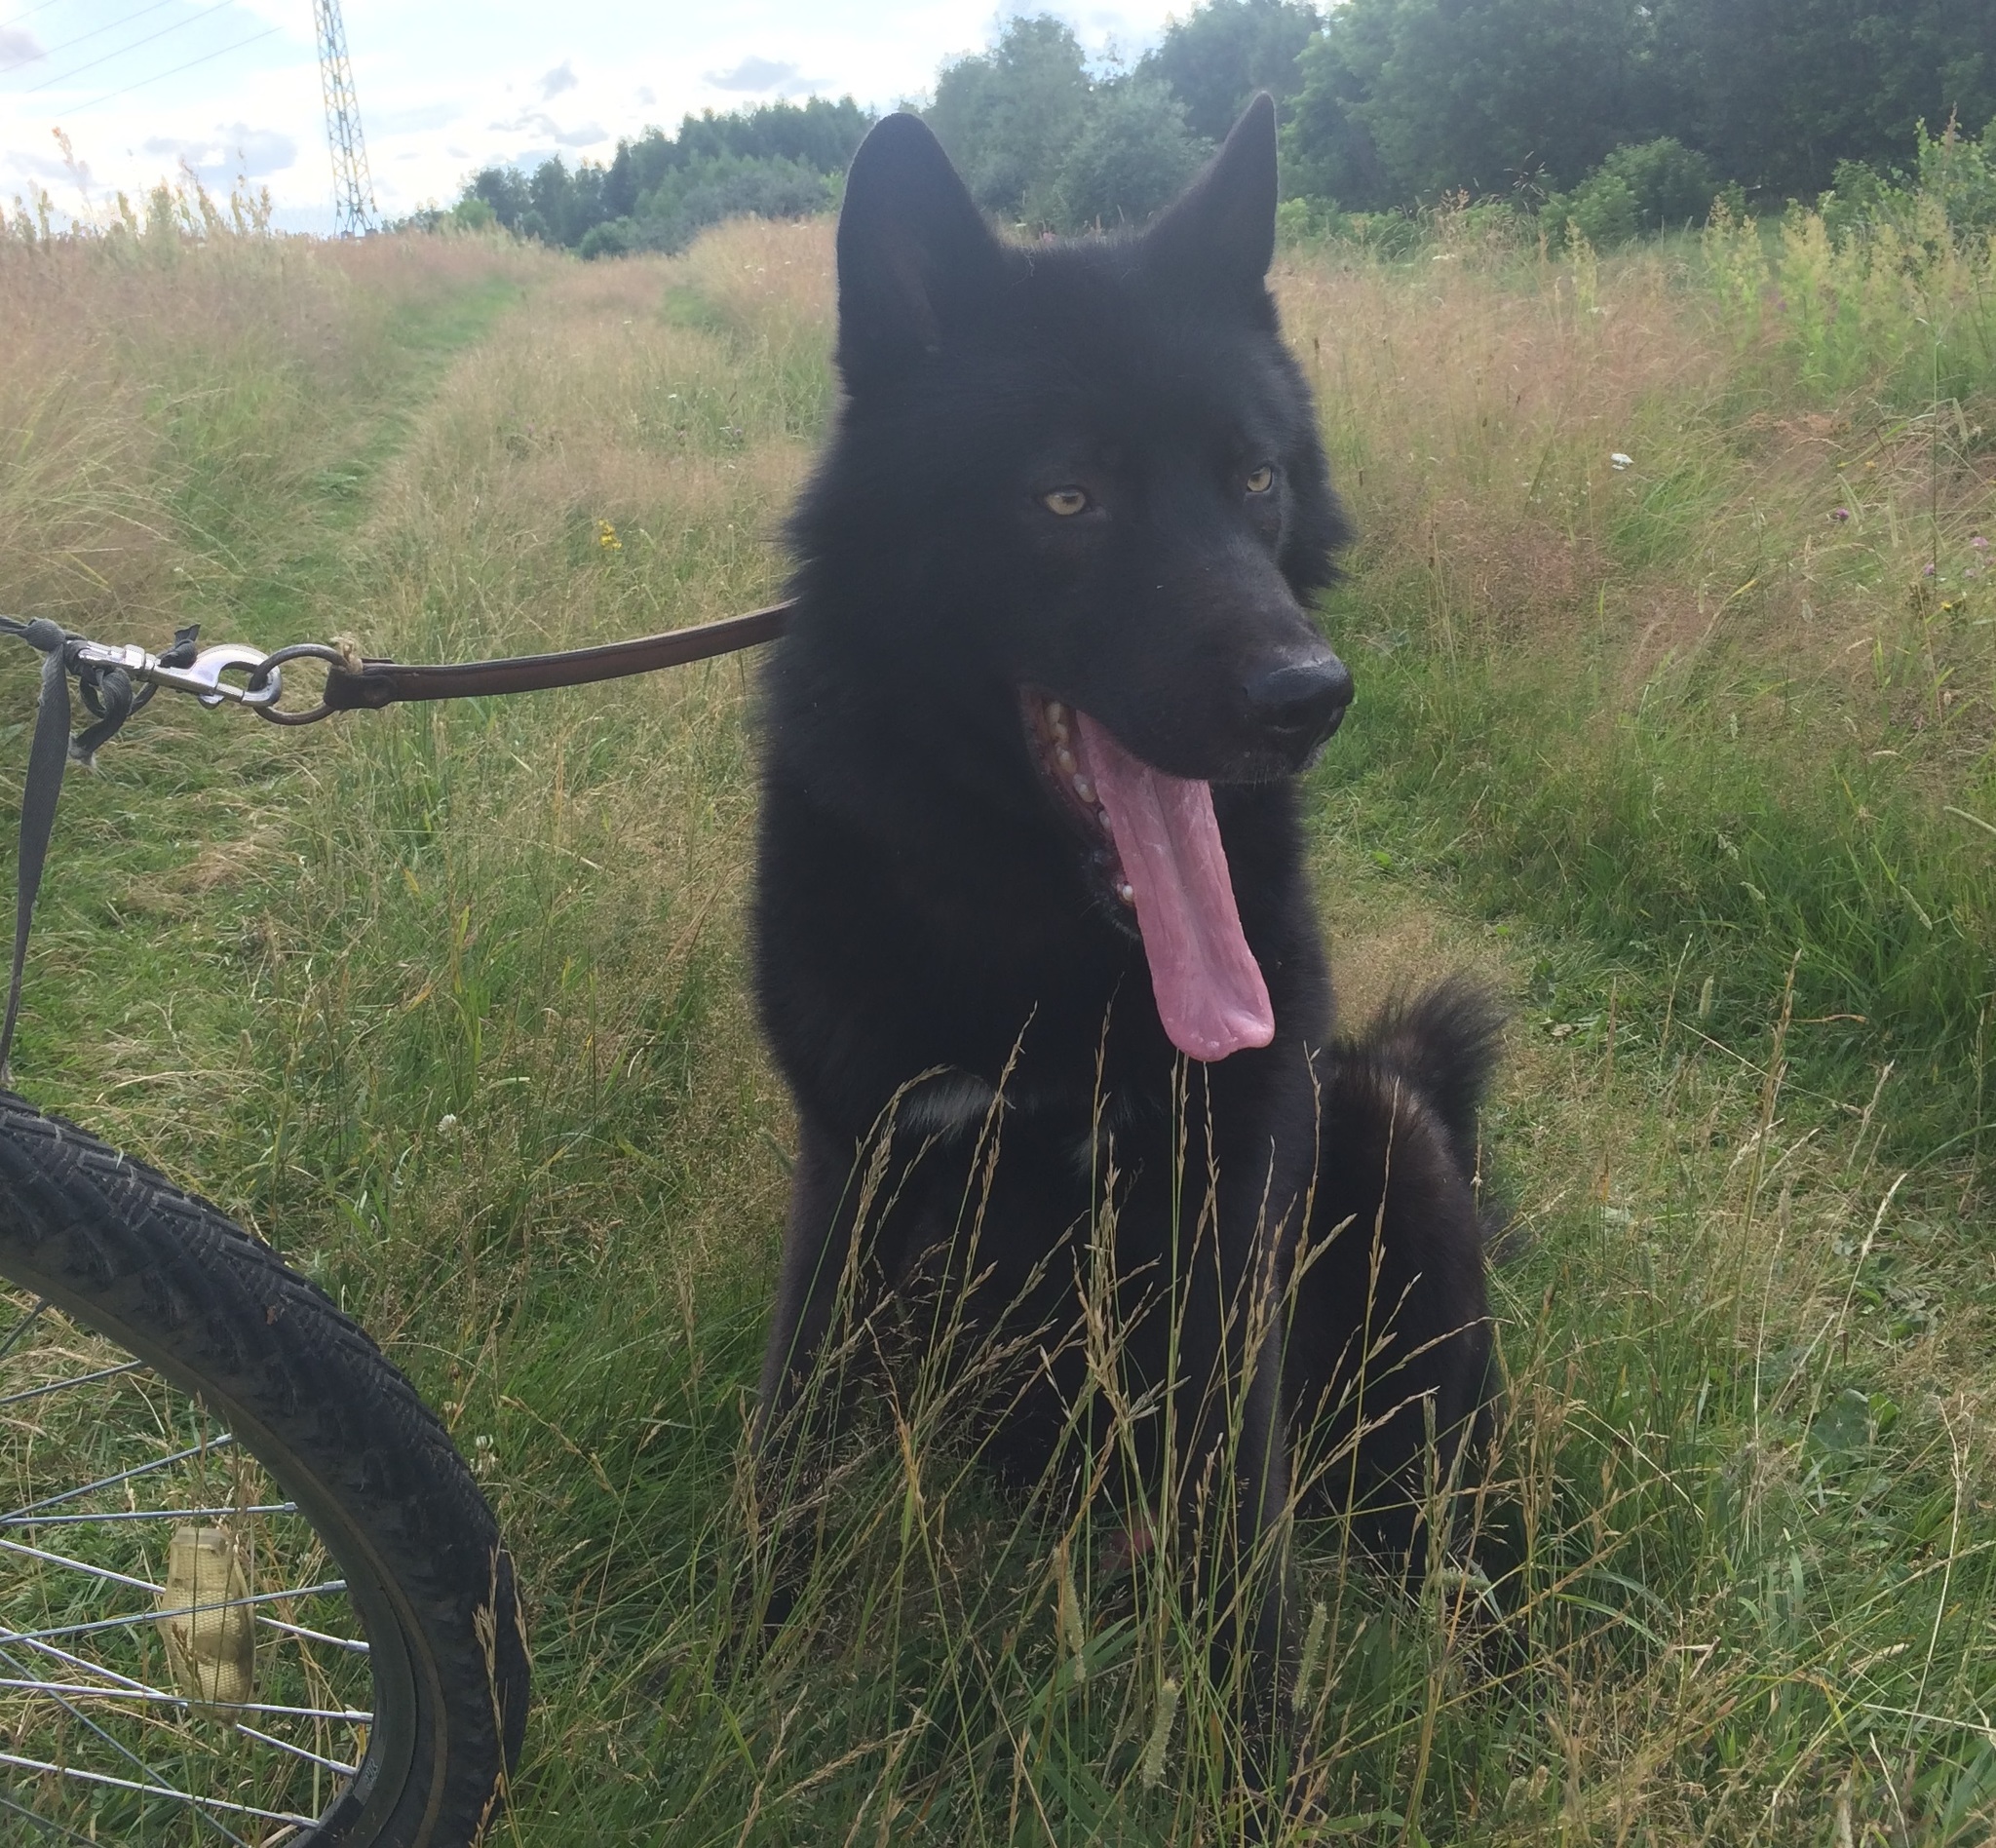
445, 87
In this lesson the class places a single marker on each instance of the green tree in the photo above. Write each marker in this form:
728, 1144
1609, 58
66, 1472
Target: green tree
1781, 90
1218, 55
1133, 155
1400, 99
1409, 99
1009, 116
778, 161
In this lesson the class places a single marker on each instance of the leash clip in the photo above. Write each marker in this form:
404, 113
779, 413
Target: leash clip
202, 678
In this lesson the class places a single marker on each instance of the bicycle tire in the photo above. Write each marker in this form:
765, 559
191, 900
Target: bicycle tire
166, 1278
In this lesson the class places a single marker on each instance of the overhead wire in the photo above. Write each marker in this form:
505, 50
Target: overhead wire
158, 76
24, 13
64, 77
35, 58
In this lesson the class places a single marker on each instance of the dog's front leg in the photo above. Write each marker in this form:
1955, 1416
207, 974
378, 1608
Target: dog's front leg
816, 1259
1234, 1491
816, 1254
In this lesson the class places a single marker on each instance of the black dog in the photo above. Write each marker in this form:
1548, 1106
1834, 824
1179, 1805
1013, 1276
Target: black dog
1029, 828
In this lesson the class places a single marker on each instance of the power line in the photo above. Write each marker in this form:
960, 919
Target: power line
64, 77
25, 13
35, 58
158, 76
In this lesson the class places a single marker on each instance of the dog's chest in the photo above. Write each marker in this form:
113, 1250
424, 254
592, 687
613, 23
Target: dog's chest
1087, 1129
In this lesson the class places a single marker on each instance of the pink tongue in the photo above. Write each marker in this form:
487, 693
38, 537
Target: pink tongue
1210, 992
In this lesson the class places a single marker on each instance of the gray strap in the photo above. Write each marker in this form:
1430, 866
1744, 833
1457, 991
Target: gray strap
46, 759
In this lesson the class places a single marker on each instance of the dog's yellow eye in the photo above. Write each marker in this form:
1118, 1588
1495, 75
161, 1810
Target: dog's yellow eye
1064, 501
1261, 481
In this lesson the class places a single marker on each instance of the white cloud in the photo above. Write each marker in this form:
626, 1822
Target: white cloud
533, 121
756, 75
554, 82
44, 166
234, 150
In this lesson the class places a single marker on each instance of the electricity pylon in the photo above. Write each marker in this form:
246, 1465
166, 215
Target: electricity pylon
352, 187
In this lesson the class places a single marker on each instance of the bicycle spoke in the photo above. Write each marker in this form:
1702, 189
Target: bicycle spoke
156, 1616
69, 1385
202, 1803
350, 1644
92, 1698
158, 1697
78, 1566
20, 1327
217, 1443
155, 1784
297, 1752
45, 1824
148, 1513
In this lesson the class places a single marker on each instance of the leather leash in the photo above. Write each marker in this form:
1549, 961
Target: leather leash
377, 683
116, 682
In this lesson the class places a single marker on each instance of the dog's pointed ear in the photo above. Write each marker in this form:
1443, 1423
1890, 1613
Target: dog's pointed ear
1222, 227
914, 254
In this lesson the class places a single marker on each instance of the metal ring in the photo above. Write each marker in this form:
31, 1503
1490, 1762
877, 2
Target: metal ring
299, 651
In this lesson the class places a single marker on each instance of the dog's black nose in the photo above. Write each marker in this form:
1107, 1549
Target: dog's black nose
1301, 701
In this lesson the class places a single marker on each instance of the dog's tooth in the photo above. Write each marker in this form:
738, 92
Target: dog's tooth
1126, 893
1057, 713
1083, 788
1064, 759
1059, 732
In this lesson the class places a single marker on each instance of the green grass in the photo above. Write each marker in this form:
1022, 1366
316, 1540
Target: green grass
450, 1004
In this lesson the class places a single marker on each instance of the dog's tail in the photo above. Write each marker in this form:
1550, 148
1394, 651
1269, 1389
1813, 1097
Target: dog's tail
1443, 1043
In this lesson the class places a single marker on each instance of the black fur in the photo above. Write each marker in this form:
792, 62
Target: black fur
931, 925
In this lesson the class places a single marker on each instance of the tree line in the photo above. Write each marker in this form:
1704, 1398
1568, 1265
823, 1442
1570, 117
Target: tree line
1618, 114
780, 161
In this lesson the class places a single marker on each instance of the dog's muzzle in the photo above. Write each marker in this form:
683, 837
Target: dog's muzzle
1297, 704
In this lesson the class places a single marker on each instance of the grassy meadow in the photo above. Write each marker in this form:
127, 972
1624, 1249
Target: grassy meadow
1689, 753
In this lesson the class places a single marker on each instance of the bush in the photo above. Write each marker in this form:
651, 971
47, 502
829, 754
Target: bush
1673, 185
1302, 222
1959, 173
1658, 185
614, 237
1860, 197
1953, 185
1129, 160
729, 186
1602, 208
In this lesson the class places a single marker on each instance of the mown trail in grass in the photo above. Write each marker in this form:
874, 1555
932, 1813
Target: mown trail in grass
192, 432
479, 1053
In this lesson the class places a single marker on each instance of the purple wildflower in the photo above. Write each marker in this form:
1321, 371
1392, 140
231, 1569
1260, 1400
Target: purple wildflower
1840, 514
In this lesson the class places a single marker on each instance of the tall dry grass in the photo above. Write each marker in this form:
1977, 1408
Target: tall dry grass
162, 389
1736, 691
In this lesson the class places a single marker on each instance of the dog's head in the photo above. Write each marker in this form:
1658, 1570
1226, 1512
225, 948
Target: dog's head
1084, 482
1122, 458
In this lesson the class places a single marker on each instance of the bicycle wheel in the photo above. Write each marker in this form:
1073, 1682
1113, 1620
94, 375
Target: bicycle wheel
249, 1590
